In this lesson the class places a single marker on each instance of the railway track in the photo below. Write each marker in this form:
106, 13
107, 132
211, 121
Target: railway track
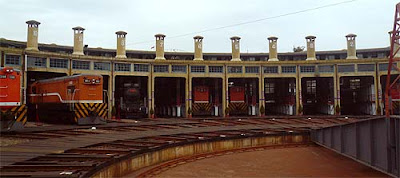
115, 144
193, 123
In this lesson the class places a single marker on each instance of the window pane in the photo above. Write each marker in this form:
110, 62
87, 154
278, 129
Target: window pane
307, 69
252, 69
385, 66
123, 67
82, 65
325, 68
179, 68
59, 63
141, 67
101, 66
197, 69
160, 68
13, 60
288, 69
216, 69
346, 68
366, 67
234, 69
36, 62
271, 69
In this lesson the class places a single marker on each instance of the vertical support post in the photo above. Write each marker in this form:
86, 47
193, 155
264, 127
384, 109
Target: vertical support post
2, 59
341, 139
224, 92
371, 142
216, 97
149, 96
336, 88
110, 95
254, 98
153, 99
25, 78
376, 91
113, 89
188, 94
298, 91
261, 99
178, 97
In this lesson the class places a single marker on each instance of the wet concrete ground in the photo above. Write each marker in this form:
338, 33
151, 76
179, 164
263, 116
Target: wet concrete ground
310, 161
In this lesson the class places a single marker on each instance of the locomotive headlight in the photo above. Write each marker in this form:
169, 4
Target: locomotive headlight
9, 70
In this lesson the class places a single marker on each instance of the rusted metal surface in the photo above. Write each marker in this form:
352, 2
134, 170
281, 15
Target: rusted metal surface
82, 151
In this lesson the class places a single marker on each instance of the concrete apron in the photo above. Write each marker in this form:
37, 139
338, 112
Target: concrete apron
168, 153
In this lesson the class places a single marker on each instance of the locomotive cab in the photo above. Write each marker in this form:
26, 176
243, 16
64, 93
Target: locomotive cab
13, 113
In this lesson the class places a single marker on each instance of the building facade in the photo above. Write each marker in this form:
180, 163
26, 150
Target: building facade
310, 82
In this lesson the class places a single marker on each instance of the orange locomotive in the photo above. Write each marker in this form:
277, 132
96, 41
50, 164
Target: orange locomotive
71, 99
13, 113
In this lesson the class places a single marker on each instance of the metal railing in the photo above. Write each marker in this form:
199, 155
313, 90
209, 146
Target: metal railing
374, 142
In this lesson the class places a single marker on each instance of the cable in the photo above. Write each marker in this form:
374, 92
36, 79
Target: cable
252, 21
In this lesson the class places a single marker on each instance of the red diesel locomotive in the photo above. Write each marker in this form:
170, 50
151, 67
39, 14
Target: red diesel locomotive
13, 112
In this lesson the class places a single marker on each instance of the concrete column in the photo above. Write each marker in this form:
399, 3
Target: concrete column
121, 52
336, 92
160, 46
152, 94
78, 40
351, 46
235, 48
377, 90
149, 94
273, 52
298, 91
178, 98
260, 92
33, 33
110, 95
113, 89
188, 94
311, 48
24, 82
376, 93
217, 100
396, 45
224, 94
198, 48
